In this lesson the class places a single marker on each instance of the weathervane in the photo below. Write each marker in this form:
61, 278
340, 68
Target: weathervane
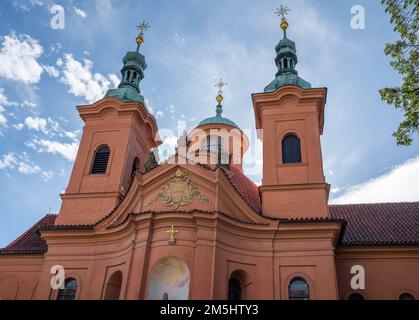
220, 85
282, 12
142, 26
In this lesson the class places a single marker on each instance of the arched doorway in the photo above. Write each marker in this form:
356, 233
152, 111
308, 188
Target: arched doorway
169, 280
237, 284
113, 288
234, 289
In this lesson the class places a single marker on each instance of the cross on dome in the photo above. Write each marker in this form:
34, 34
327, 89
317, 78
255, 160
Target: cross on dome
220, 85
282, 12
142, 26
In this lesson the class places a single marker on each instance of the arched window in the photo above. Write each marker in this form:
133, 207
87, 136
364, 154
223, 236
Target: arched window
356, 296
135, 166
291, 151
234, 289
298, 289
69, 291
406, 296
113, 288
100, 162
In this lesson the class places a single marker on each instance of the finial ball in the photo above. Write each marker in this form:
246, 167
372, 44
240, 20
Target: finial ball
220, 99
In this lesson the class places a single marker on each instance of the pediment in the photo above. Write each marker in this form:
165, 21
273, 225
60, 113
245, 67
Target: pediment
182, 188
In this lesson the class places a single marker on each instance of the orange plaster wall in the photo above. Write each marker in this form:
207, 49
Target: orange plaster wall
19, 277
120, 126
389, 271
286, 202
291, 190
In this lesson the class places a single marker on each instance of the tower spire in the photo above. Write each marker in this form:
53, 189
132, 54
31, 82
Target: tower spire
132, 72
286, 58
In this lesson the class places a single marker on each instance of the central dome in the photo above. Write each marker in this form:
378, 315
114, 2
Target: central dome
218, 119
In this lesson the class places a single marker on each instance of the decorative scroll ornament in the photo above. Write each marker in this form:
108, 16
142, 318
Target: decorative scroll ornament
179, 191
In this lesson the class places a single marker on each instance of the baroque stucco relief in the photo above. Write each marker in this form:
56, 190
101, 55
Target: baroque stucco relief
179, 191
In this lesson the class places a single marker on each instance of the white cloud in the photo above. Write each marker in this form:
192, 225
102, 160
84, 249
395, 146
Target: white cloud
3, 119
4, 101
172, 109
167, 148
52, 71
24, 165
36, 123
18, 58
18, 126
82, 82
8, 161
80, 12
148, 105
27, 103
399, 184
67, 150
114, 79
48, 127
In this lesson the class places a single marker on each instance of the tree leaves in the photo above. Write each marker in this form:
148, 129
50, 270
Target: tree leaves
405, 60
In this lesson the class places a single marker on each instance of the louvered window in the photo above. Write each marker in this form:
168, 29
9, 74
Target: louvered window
101, 160
291, 152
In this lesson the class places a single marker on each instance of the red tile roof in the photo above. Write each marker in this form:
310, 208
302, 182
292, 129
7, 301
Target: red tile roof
31, 242
379, 223
247, 189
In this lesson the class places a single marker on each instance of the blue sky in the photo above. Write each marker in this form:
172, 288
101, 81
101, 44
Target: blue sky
45, 73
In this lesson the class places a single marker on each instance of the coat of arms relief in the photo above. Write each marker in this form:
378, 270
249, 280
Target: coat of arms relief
179, 191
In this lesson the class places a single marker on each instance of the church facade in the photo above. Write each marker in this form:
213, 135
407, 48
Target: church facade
195, 227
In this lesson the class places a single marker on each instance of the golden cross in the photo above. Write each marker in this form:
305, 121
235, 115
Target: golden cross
172, 231
282, 11
143, 26
220, 85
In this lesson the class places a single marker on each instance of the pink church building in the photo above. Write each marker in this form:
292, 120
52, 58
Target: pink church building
195, 227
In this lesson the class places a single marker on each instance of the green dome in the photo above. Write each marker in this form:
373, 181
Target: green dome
218, 119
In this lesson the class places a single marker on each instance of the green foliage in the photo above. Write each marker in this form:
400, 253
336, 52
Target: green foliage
405, 60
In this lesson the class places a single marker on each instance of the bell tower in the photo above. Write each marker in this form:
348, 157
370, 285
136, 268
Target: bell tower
117, 138
291, 116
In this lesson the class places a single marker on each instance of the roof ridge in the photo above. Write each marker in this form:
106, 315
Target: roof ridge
372, 203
